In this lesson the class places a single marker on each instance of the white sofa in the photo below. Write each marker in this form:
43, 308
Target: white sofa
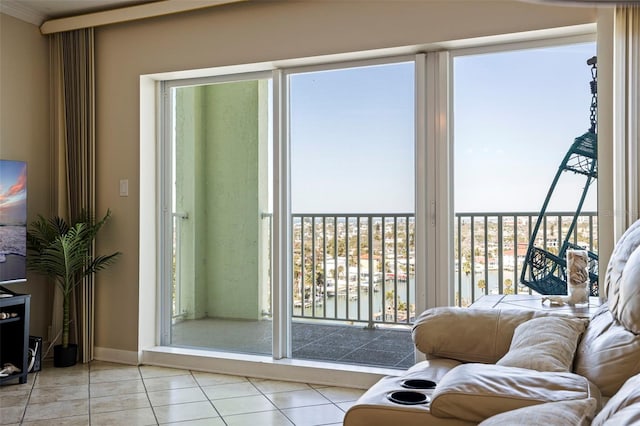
520, 367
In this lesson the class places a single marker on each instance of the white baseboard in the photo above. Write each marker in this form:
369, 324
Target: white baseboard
115, 355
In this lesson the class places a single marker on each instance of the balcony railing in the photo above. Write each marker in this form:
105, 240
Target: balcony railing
361, 267
354, 267
490, 248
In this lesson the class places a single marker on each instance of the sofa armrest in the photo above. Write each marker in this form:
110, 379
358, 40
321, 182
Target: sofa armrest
467, 334
475, 392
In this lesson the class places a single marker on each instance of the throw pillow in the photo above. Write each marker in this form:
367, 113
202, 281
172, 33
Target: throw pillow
545, 344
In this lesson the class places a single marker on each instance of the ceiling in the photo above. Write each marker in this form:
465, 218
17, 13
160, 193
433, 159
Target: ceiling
38, 11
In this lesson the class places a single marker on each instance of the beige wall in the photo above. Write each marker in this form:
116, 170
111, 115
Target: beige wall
247, 33
24, 135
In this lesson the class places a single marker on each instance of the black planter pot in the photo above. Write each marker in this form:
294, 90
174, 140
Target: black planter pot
65, 357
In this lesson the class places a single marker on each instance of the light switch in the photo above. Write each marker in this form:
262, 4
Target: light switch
124, 187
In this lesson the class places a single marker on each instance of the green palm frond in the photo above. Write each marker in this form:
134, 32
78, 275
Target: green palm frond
43, 232
101, 262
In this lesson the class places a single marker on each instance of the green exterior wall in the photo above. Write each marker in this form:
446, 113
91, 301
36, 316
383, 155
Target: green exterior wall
221, 185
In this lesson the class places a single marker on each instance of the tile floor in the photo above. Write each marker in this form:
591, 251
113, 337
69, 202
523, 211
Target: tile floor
345, 344
103, 393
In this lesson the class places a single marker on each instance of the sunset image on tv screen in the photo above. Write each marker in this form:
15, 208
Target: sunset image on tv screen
13, 221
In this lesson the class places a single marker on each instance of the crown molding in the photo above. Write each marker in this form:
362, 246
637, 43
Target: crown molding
22, 12
586, 3
125, 14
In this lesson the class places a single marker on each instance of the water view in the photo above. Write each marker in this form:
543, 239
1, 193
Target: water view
352, 303
13, 256
13, 220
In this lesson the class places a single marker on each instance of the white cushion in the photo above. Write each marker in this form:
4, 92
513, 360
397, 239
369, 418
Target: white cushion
481, 335
545, 344
575, 413
608, 353
625, 246
624, 407
475, 392
629, 416
628, 308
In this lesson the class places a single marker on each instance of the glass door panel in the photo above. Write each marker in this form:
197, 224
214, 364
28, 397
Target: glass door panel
221, 204
352, 136
516, 114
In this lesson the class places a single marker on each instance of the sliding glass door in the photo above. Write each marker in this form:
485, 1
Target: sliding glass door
219, 225
516, 114
352, 144
349, 134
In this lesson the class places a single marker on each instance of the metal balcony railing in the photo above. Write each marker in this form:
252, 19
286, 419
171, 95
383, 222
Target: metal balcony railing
361, 267
354, 267
490, 248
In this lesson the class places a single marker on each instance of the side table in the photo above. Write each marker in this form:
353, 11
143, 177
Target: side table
534, 302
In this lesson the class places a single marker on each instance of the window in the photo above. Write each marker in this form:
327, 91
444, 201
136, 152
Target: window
351, 137
352, 141
218, 282
327, 270
516, 114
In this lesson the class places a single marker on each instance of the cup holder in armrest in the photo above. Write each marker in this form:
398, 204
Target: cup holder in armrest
418, 384
408, 397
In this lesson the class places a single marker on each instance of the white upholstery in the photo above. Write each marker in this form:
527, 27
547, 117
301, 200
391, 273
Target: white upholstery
606, 363
628, 307
545, 344
375, 409
482, 335
608, 354
625, 246
475, 392
624, 407
574, 413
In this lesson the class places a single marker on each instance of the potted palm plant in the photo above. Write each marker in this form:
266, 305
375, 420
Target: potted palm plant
62, 252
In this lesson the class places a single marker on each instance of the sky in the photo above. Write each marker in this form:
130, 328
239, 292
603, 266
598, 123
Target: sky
13, 192
515, 115
352, 137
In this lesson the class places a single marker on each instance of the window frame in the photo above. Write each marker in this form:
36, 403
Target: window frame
282, 215
435, 201
590, 37
165, 188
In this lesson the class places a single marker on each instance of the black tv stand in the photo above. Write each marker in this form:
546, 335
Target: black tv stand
14, 335
5, 292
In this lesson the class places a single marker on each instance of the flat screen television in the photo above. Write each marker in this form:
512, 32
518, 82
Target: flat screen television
13, 221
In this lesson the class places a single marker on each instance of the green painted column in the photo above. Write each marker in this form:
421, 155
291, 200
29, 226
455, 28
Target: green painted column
222, 185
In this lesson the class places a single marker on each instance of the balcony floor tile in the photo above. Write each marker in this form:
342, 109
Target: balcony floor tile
350, 344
